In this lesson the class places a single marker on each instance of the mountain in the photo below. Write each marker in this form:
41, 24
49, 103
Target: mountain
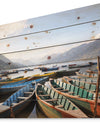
6, 63
84, 51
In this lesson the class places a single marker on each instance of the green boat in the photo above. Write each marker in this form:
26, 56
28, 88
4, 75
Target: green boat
55, 105
87, 75
81, 97
82, 84
89, 80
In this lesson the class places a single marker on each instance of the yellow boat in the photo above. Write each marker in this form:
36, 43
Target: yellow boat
27, 78
13, 80
37, 76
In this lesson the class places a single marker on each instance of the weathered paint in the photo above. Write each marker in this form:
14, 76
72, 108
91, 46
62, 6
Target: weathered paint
55, 112
51, 111
86, 76
84, 104
28, 37
56, 37
66, 18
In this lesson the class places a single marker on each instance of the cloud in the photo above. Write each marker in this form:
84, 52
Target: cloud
11, 29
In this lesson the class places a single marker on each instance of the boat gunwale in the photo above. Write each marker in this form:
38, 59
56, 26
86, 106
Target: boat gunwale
77, 80
82, 75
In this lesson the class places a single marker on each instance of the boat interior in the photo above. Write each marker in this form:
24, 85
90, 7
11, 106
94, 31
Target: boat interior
55, 99
88, 74
20, 95
83, 84
72, 90
91, 80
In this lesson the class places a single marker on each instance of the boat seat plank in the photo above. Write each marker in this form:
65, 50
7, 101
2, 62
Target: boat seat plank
59, 106
59, 88
76, 96
28, 92
70, 93
40, 91
44, 95
22, 98
32, 89
3, 108
14, 104
66, 90
51, 100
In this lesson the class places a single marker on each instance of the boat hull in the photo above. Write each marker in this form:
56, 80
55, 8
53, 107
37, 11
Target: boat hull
17, 108
23, 104
86, 105
53, 112
4, 91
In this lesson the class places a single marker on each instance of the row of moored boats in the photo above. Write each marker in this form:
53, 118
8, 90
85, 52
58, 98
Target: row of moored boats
69, 97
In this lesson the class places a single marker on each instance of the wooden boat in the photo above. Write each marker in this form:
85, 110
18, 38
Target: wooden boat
33, 77
13, 80
82, 84
85, 79
66, 73
44, 69
17, 102
93, 63
20, 99
6, 73
18, 82
87, 75
51, 74
55, 105
10, 88
79, 66
21, 80
63, 66
81, 97
9, 79
92, 72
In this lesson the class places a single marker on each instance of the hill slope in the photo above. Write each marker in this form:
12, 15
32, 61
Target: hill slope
84, 51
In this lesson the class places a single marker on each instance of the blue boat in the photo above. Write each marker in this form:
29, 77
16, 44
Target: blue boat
20, 99
44, 69
10, 88
64, 66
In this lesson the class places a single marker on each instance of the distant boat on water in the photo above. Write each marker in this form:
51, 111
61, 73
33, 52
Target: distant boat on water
44, 69
64, 66
79, 65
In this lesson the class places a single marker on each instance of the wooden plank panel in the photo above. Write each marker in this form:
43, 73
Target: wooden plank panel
89, 31
66, 18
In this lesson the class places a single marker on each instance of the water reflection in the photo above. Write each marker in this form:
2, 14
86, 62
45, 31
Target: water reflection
31, 111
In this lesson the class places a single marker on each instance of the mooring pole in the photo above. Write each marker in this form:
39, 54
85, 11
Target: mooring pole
12, 113
97, 87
